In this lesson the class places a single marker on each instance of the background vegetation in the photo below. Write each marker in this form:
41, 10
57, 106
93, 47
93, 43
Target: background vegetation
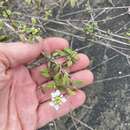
98, 28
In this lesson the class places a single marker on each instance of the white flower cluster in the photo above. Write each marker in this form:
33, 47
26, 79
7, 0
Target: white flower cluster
57, 99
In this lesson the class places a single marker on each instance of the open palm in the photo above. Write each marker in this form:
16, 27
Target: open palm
22, 105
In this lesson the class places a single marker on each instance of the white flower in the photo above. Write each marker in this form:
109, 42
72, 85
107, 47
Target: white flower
63, 99
57, 99
55, 94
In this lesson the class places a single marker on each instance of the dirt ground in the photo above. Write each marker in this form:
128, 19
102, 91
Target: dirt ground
108, 100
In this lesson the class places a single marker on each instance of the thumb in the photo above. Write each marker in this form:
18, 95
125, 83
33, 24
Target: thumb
13, 54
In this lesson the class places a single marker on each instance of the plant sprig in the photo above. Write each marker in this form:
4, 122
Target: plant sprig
56, 71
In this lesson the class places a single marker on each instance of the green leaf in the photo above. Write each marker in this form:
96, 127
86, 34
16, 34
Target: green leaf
57, 68
27, 30
66, 80
35, 31
77, 82
34, 21
38, 3
71, 55
28, 1
6, 13
54, 67
70, 91
4, 38
69, 63
51, 85
90, 27
45, 73
48, 13
72, 3
1, 24
68, 50
59, 53
58, 79
55, 54
128, 33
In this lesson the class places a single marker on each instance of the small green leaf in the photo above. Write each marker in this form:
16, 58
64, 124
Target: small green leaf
51, 85
57, 68
90, 27
59, 53
55, 54
4, 38
128, 33
66, 80
77, 82
34, 21
38, 3
35, 31
27, 30
1, 24
68, 50
28, 1
69, 63
71, 92
58, 79
72, 3
45, 73
6, 13
48, 13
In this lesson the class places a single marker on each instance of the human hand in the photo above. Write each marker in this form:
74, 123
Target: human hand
23, 105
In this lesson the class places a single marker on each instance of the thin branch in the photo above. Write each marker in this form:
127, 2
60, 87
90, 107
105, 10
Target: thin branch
113, 57
111, 39
111, 18
82, 123
112, 34
109, 46
87, 107
75, 125
122, 27
112, 78
96, 9
66, 33
84, 47
102, 20
99, 14
55, 126
121, 48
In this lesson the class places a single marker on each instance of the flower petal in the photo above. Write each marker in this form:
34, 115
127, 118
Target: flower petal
53, 94
56, 107
64, 99
57, 93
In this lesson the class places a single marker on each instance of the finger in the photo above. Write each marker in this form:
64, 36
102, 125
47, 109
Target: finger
47, 113
20, 53
82, 63
85, 76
